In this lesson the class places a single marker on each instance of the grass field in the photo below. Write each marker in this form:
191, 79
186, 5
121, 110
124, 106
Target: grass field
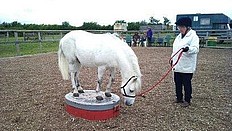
10, 50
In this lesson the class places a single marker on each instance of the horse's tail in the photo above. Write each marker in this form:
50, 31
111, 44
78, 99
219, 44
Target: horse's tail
63, 64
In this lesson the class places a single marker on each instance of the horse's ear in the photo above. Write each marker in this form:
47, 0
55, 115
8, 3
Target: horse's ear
134, 79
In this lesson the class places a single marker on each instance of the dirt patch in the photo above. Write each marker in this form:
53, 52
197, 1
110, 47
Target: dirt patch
32, 95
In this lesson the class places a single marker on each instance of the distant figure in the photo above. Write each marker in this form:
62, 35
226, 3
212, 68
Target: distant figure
136, 39
143, 40
128, 39
149, 37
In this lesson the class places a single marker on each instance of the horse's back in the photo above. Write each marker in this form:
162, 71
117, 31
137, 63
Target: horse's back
95, 49
76, 34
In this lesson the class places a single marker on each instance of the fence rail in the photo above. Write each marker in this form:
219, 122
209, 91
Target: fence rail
22, 36
216, 38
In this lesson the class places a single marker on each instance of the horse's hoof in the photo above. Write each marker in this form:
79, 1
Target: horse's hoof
81, 91
108, 94
75, 94
99, 98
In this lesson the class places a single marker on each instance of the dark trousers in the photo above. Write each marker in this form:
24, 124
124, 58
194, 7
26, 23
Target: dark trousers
149, 42
183, 79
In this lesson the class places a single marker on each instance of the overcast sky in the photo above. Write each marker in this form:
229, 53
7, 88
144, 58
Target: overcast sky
104, 12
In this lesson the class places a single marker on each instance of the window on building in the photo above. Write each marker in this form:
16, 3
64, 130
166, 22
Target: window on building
205, 21
195, 18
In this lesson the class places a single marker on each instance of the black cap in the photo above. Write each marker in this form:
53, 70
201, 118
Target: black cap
184, 21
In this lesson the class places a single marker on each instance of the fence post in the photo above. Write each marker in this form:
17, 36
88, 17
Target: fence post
17, 43
7, 37
207, 38
40, 42
61, 35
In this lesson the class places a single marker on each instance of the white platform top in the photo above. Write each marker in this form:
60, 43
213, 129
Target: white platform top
88, 101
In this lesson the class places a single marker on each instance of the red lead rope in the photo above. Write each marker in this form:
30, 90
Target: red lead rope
165, 75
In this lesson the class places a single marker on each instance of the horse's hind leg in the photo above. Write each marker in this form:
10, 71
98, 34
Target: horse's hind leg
80, 89
74, 68
73, 77
111, 80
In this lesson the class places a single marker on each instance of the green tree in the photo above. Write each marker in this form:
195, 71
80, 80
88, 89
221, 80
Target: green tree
133, 26
65, 24
90, 26
108, 27
143, 22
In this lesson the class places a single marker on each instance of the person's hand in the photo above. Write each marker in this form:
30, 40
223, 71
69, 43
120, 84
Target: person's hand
185, 49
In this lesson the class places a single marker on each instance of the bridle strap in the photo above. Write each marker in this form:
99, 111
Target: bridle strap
127, 82
124, 90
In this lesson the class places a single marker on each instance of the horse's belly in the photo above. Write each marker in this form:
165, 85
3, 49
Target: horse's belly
96, 63
93, 59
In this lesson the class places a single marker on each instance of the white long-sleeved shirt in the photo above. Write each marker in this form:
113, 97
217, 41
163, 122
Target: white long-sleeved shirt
188, 61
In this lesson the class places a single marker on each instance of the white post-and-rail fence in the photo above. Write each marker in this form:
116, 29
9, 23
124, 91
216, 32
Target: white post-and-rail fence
29, 36
18, 37
38, 36
25, 36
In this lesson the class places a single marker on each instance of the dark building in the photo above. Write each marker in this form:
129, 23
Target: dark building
217, 21
217, 24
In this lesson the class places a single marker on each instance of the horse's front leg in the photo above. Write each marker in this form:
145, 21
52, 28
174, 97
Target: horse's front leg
111, 80
100, 73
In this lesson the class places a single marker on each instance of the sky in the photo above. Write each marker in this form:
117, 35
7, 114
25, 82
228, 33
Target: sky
105, 12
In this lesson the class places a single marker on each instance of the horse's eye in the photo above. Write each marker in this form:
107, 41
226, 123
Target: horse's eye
131, 91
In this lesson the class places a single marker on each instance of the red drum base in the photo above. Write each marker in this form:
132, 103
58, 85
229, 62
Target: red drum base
88, 107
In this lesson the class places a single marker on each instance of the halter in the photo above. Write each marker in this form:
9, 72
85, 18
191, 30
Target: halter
123, 87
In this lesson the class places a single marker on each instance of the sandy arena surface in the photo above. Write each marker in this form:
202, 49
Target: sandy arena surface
32, 95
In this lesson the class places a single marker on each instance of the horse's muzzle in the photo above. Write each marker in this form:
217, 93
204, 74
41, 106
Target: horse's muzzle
129, 101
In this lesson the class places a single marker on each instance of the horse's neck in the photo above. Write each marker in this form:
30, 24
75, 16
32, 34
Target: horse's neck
129, 67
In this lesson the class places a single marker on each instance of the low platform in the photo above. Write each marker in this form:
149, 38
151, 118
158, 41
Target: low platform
88, 107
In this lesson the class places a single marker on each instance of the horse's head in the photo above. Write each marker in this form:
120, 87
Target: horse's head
130, 89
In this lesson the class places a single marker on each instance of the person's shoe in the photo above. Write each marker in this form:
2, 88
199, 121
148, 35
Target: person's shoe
178, 101
185, 104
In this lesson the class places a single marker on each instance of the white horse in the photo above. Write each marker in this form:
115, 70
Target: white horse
105, 51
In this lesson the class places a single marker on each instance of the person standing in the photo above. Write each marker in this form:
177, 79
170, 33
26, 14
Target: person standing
188, 41
149, 37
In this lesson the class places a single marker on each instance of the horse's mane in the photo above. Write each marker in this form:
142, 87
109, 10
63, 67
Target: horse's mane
133, 60
136, 69
131, 57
